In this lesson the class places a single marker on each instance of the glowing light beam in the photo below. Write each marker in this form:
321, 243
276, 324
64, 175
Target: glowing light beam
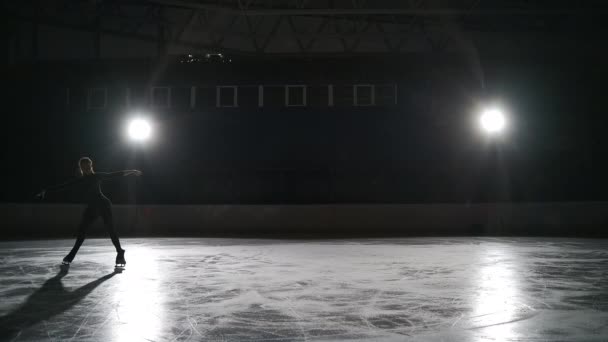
492, 121
139, 130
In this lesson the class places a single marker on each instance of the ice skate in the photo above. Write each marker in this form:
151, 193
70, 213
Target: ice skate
68, 259
120, 259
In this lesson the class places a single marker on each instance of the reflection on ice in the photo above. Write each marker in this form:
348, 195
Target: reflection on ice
497, 291
138, 300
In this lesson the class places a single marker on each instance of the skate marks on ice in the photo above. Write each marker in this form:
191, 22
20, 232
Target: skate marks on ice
51, 299
270, 290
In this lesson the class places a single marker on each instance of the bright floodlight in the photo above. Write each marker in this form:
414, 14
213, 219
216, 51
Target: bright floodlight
492, 121
139, 130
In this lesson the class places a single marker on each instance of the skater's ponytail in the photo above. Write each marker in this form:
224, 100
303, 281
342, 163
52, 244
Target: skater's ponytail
81, 161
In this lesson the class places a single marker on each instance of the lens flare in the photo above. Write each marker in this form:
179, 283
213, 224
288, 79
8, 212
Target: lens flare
492, 121
139, 130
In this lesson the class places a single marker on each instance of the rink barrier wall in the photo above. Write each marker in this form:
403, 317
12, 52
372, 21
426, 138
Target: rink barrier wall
551, 219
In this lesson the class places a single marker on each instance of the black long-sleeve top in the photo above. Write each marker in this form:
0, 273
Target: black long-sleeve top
89, 184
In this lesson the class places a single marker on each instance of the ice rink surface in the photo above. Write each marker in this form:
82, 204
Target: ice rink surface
419, 289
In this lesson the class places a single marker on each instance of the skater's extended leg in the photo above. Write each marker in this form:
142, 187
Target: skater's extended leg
89, 215
108, 221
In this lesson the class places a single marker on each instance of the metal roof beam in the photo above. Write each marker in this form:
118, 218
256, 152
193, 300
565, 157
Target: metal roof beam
376, 11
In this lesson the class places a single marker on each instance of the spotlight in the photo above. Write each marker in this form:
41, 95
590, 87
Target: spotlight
139, 130
492, 121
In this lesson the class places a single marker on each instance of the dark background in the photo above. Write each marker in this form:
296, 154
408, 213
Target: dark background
424, 149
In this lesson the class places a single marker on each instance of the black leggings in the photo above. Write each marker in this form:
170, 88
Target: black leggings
103, 208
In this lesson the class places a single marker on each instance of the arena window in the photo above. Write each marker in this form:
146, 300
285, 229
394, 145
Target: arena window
364, 95
260, 96
226, 96
385, 94
295, 95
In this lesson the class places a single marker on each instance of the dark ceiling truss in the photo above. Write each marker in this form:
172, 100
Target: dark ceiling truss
306, 27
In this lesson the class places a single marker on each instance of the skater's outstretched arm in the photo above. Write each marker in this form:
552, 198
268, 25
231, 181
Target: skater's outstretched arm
59, 187
117, 174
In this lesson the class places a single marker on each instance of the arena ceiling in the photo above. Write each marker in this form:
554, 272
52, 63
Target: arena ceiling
105, 28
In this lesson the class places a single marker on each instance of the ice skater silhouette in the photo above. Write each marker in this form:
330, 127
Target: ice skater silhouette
97, 204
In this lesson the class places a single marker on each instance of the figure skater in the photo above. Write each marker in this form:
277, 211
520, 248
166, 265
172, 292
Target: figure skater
97, 204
